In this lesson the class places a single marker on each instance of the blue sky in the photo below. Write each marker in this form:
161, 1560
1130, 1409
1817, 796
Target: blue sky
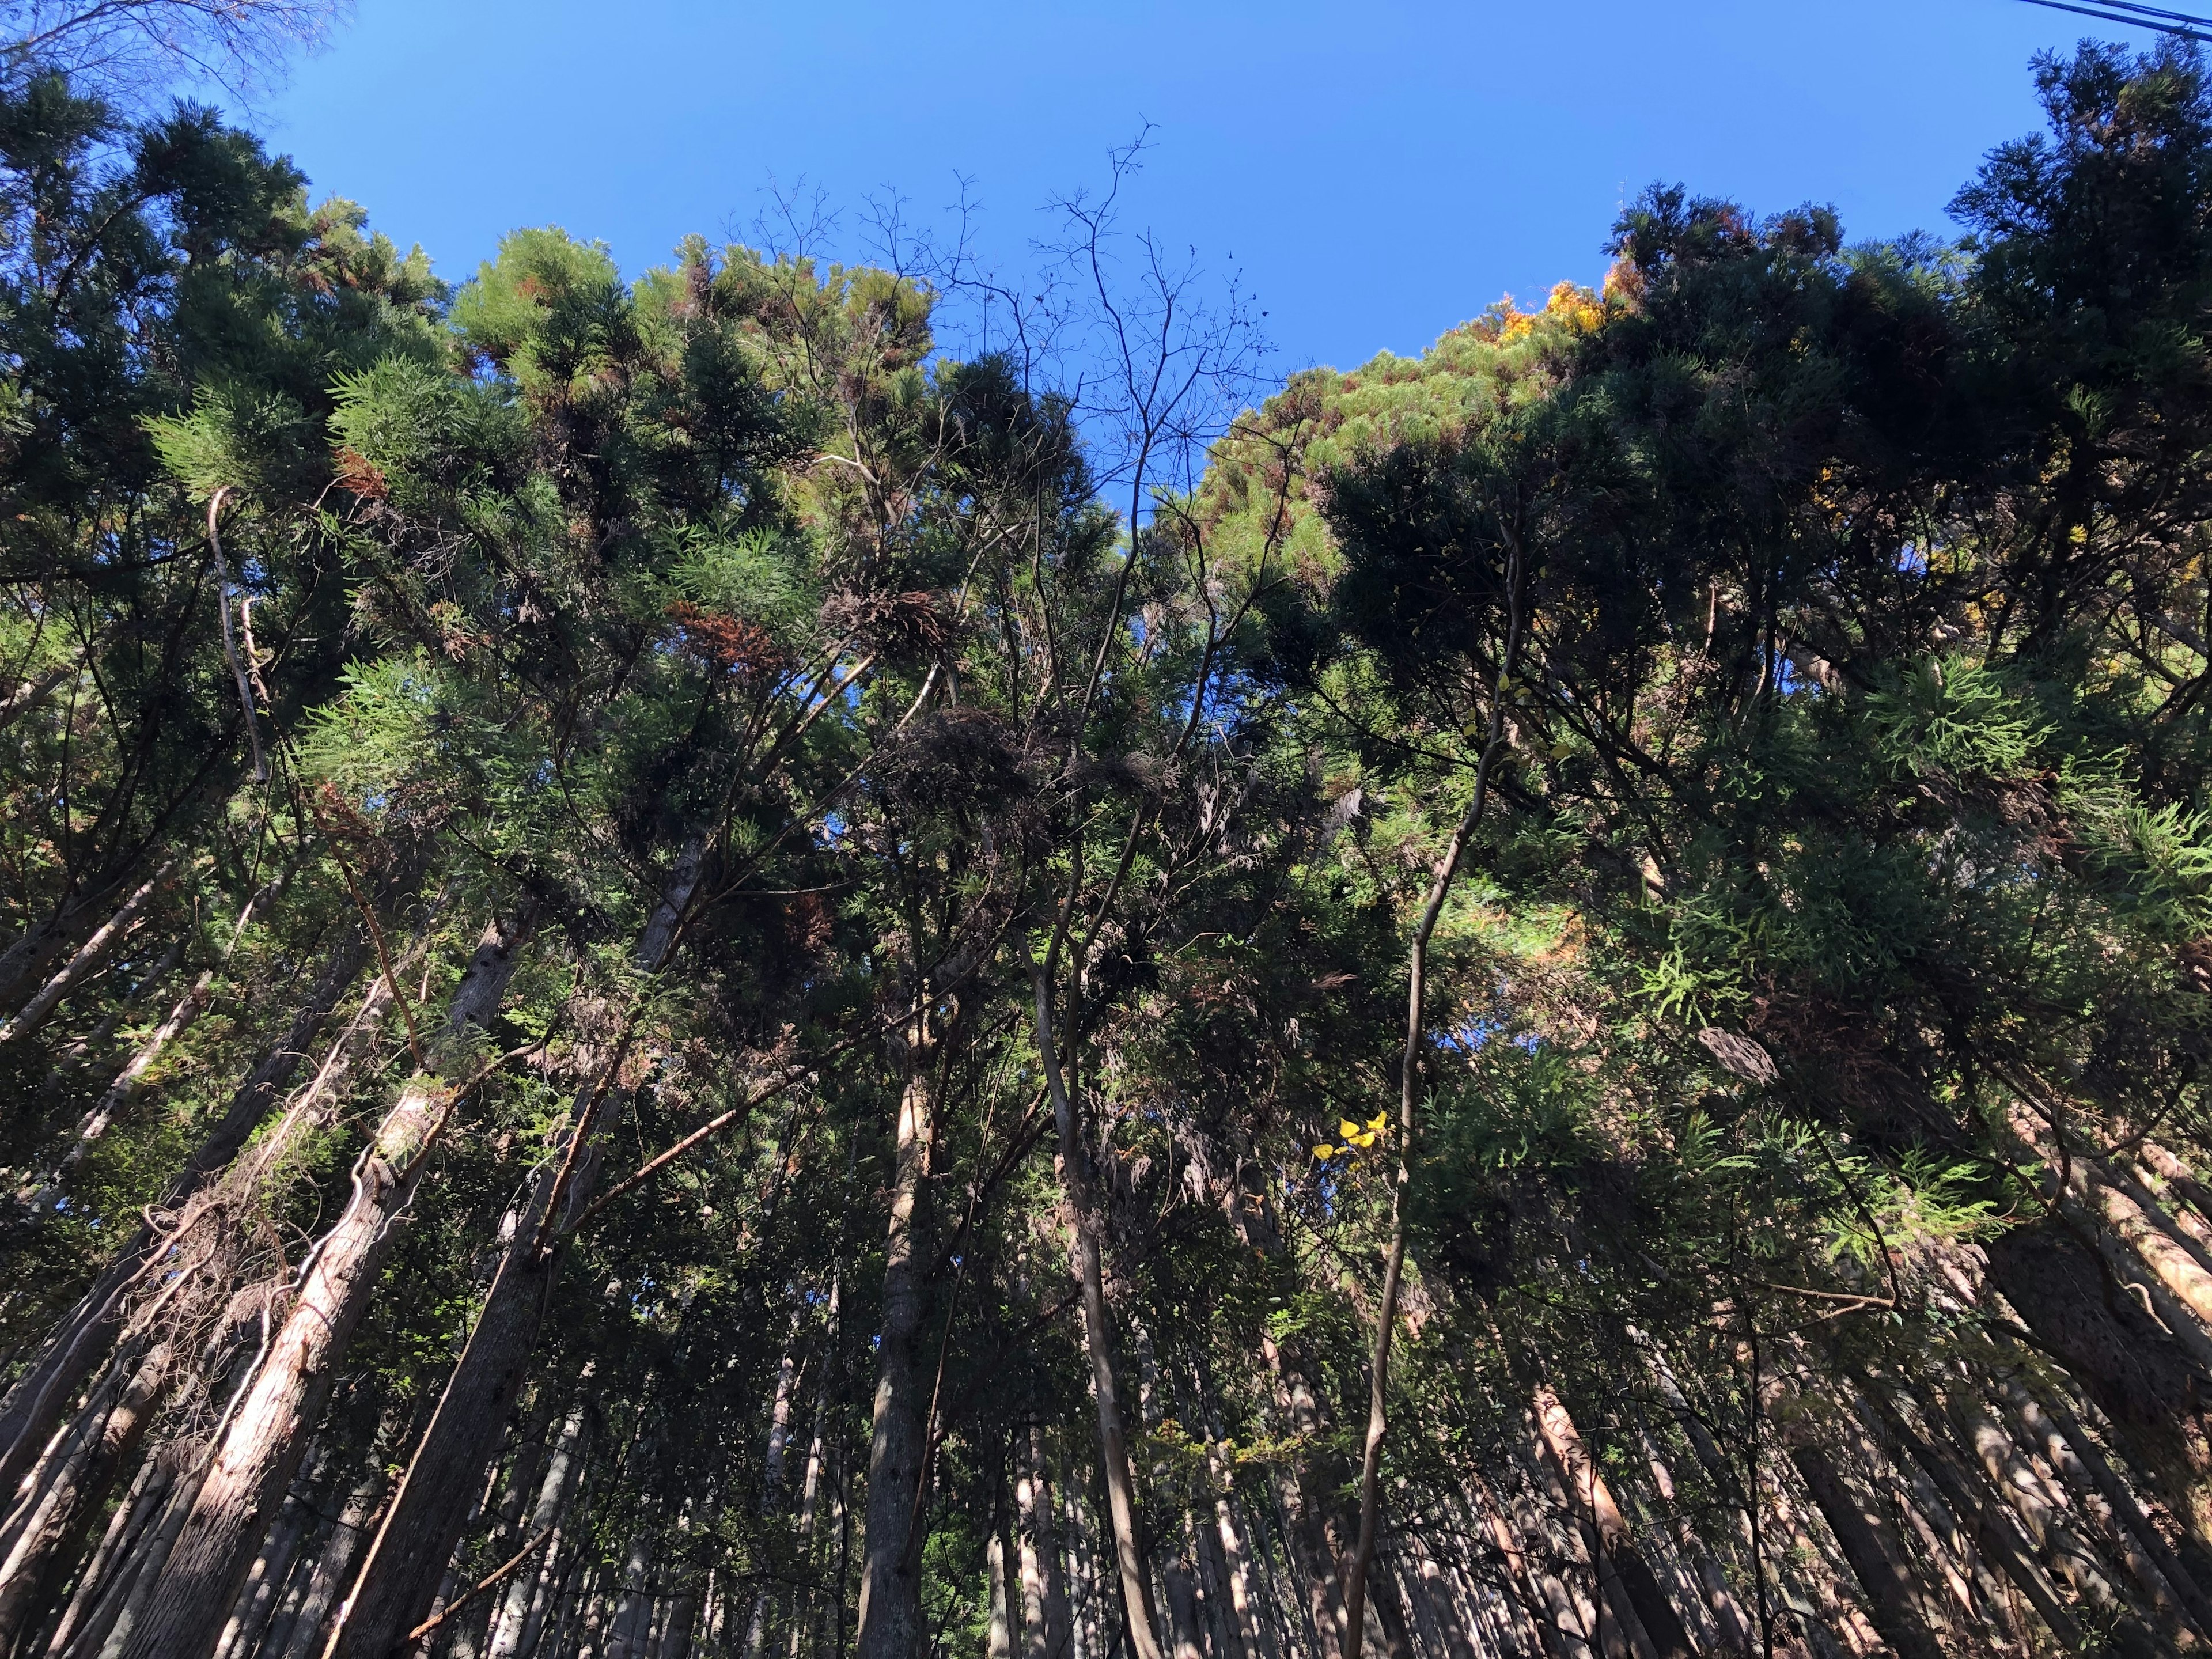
1377, 171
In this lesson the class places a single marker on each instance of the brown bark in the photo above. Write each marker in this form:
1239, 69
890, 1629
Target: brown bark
1310, 1531
124, 1527
515, 1621
2080, 1458
52, 1538
88, 957
999, 1638
76, 1347
260, 1447
1995, 1532
265, 1579
1891, 1593
1097, 1335
400, 1574
1181, 1585
336, 1561
1731, 1628
1594, 1499
2141, 1379
1045, 1626
891, 1619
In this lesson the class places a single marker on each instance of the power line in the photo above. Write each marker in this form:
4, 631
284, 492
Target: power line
2182, 24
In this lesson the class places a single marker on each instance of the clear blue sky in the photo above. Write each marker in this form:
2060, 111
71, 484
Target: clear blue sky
1379, 171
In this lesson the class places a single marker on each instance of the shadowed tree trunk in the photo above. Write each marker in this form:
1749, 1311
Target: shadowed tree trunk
261, 1445
890, 1622
400, 1577
72, 1352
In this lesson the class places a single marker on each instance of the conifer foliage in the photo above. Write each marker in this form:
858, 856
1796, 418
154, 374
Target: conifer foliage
681, 975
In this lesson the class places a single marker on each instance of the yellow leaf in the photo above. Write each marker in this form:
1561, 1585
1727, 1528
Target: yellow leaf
1379, 1122
1346, 1128
1362, 1142
1324, 1151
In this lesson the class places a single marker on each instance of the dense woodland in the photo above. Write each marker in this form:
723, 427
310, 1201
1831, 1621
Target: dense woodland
708, 965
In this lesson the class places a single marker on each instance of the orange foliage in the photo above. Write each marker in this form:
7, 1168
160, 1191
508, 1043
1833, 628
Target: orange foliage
357, 473
729, 645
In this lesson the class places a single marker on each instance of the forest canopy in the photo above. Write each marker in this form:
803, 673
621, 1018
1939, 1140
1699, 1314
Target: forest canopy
691, 968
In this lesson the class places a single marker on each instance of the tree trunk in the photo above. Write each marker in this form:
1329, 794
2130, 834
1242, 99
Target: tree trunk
132, 1079
88, 957
1308, 1489
2136, 1372
1593, 1499
2083, 1464
400, 1577
1892, 1594
1181, 1583
23, 962
1996, 1533
1045, 1633
265, 1579
28, 696
51, 1537
999, 1639
344, 1547
35, 1404
513, 1622
778, 1435
890, 1618
261, 1446
810, 1485
1097, 1335
124, 1528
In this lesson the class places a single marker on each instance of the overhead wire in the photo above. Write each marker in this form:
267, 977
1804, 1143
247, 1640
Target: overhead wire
2183, 25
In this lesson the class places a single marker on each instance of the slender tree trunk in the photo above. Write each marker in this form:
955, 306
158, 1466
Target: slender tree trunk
131, 1081
204, 1275
261, 1446
23, 963
2041, 1509
1891, 1593
346, 1540
810, 1486
2083, 1464
513, 1622
82, 1341
1393, 1256
400, 1577
1731, 1625
1044, 1591
50, 1537
1307, 1488
1568, 1614
890, 1619
778, 1435
29, 695
999, 1638
124, 1527
88, 957
1996, 1531
1097, 1335
1661, 1621
94, 1043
